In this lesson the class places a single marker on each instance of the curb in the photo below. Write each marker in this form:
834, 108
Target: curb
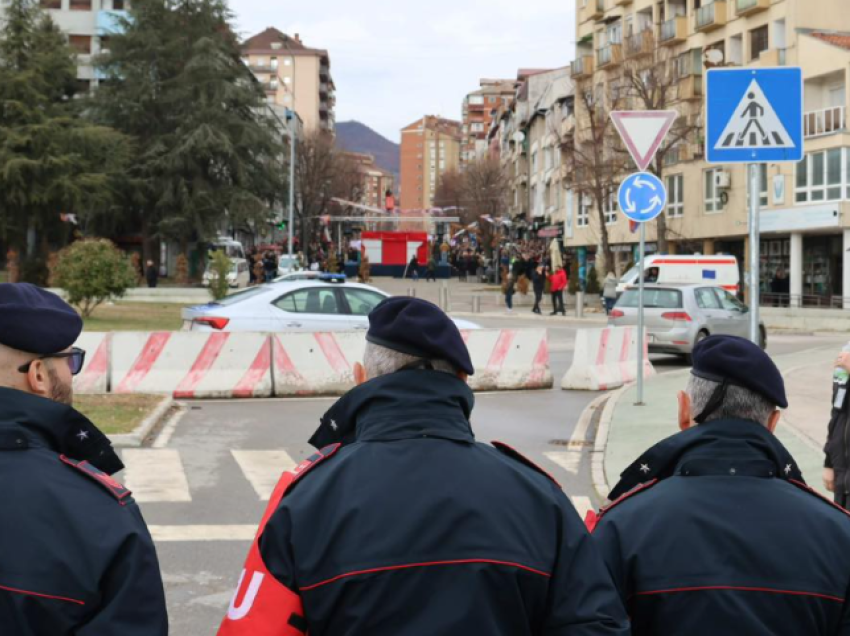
137, 437
546, 319
597, 455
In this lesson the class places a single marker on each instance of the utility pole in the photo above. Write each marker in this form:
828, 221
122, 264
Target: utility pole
290, 119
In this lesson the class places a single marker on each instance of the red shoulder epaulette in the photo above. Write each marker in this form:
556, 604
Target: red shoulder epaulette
812, 491
314, 460
593, 518
515, 454
113, 487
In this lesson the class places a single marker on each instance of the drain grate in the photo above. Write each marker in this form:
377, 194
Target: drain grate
568, 443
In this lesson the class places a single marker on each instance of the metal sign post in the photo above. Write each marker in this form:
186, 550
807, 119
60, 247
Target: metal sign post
755, 259
641, 344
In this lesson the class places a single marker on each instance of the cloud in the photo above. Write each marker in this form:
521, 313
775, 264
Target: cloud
395, 61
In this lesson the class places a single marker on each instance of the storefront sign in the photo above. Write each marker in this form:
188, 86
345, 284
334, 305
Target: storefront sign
800, 219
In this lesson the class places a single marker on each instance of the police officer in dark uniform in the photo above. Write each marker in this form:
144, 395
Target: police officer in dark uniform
412, 527
713, 531
75, 555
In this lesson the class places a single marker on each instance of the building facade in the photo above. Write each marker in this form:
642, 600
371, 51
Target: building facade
376, 181
805, 213
429, 148
479, 108
294, 76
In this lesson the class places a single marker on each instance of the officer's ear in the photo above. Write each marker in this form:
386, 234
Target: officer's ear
773, 420
38, 378
685, 419
360, 376
462, 376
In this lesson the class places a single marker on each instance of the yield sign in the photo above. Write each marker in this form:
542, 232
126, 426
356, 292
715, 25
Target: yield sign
643, 132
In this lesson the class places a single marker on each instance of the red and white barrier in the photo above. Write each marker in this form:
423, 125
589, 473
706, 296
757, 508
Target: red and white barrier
509, 359
192, 365
94, 378
606, 359
316, 363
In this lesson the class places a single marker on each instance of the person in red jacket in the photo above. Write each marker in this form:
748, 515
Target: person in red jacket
558, 282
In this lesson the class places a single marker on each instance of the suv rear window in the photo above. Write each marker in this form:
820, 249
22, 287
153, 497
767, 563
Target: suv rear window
652, 299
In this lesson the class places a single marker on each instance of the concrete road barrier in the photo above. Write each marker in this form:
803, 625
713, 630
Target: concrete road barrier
316, 363
606, 359
509, 359
94, 378
192, 365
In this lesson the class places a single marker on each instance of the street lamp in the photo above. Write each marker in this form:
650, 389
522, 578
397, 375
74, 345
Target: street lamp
290, 120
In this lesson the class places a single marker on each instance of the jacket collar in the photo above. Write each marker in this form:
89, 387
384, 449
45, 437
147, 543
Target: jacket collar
705, 447
60, 427
402, 405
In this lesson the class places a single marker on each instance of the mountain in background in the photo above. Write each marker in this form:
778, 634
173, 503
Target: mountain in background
356, 137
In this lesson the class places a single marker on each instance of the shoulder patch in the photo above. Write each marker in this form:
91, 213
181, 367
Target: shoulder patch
522, 459
594, 518
113, 487
314, 460
806, 488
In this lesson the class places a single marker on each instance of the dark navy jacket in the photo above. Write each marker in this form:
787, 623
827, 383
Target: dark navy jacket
413, 528
729, 540
75, 555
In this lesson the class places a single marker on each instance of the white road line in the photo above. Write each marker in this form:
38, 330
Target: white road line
582, 506
171, 534
167, 431
580, 433
263, 469
569, 460
155, 475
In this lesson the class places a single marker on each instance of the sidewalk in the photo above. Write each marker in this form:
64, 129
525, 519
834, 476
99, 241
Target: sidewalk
802, 430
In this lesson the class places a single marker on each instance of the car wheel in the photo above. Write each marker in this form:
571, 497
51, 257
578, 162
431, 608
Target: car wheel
689, 357
763, 338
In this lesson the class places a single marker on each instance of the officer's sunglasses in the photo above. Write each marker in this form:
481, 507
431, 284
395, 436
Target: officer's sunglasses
76, 359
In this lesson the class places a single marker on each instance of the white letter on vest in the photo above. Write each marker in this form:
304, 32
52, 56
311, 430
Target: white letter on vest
237, 613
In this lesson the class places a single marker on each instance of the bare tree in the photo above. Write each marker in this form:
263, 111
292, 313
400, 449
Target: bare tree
449, 192
485, 193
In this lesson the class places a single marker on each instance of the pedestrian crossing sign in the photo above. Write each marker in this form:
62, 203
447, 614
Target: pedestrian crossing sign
754, 115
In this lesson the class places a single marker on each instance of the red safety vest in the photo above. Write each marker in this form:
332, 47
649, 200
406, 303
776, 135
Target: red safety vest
261, 605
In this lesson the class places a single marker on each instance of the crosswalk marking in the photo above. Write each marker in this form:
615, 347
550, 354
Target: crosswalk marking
155, 475
582, 505
177, 534
569, 460
263, 468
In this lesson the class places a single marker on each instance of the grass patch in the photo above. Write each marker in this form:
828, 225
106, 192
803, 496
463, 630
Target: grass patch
135, 317
116, 414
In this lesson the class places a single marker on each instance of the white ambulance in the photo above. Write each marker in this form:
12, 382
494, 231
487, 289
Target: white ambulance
720, 271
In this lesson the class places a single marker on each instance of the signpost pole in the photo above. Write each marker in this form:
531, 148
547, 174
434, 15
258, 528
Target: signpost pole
640, 344
755, 240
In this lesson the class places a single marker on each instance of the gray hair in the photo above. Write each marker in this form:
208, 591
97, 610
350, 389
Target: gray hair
739, 403
380, 361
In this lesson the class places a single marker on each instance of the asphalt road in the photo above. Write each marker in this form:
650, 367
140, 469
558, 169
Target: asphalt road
202, 488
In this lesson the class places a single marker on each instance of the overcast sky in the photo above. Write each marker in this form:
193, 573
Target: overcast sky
396, 60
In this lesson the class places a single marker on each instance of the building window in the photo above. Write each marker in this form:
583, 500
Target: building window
287, 61
83, 86
51, 4
675, 196
822, 177
762, 184
117, 5
104, 44
274, 63
713, 194
610, 208
80, 5
80, 43
758, 42
583, 215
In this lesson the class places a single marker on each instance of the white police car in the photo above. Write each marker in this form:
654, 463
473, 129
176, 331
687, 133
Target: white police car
325, 304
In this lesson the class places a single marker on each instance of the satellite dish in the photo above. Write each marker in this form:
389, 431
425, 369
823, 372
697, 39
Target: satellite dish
713, 57
519, 137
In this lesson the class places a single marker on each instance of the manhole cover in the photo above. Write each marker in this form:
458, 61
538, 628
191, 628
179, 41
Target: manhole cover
571, 444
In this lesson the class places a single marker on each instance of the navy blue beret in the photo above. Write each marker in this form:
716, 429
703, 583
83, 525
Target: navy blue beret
35, 320
741, 363
418, 328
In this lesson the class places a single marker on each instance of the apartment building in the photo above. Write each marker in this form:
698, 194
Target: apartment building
805, 218
293, 76
376, 181
88, 25
430, 147
479, 108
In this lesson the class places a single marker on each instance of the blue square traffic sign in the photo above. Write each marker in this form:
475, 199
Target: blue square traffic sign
754, 115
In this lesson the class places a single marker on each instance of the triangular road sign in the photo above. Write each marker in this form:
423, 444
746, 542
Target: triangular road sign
643, 132
754, 125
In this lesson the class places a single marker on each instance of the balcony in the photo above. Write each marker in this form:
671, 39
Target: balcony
582, 67
674, 31
270, 87
749, 7
609, 56
690, 87
711, 16
593, 10
640, 44
263, 68
623, 3
827, 121
773, 57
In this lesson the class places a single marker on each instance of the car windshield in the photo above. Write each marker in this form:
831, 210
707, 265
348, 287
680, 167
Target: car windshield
652, 299
241, 296
630, 275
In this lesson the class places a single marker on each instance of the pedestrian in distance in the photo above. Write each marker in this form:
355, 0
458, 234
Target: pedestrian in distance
538, 283
269, 266
509, 289
151, 275
713, 531
413, 267
76, 558
836, 472
609, 292
431, 271
558, 282
402, 524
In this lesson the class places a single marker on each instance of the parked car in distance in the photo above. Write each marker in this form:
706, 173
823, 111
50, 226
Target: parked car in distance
326, 304
237, 278
287, 265
721, 271
677, 317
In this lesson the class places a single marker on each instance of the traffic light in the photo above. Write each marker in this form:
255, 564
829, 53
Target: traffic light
282, 226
